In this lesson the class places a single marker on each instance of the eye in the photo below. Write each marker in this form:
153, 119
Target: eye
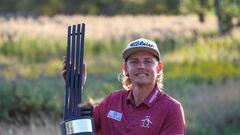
149, 61
133, 61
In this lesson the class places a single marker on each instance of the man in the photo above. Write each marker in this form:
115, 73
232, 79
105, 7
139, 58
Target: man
142, 108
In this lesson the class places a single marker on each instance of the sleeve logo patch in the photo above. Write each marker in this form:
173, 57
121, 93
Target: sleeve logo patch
114, 115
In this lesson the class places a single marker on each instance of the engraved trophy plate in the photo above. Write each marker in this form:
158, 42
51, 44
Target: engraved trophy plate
74, 122
76, 126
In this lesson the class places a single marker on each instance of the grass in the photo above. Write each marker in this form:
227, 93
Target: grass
36, 126
209, 110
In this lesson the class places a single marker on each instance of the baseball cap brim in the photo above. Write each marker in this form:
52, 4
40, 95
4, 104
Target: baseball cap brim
127, 52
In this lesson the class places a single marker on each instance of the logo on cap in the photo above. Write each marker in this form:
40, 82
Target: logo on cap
141, 43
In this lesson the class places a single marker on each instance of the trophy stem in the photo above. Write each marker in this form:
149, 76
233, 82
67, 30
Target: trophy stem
76, 122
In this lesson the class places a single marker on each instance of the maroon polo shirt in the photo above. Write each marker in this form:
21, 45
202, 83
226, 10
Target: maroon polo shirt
159, 114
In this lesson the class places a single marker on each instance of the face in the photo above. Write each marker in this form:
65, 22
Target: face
142, 68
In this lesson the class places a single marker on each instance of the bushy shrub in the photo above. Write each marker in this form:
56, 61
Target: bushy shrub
21, 97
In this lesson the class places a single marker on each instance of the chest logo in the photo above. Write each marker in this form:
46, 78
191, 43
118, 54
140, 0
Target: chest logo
146, 122
114, 115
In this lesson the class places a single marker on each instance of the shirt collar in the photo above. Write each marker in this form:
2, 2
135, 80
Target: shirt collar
130, 97
149, 100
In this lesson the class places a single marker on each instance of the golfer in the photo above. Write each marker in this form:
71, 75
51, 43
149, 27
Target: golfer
142, 107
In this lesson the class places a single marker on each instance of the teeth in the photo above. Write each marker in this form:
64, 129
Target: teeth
142, 74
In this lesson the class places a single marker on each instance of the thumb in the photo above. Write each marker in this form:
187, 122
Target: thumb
89, 103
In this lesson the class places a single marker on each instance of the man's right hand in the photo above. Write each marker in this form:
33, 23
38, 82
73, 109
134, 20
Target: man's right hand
64, 70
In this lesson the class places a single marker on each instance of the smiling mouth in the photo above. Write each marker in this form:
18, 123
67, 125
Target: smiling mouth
141, 74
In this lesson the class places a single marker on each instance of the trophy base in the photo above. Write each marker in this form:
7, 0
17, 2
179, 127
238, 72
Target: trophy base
83, 126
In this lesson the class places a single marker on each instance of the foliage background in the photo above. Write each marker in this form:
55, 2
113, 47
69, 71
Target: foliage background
201, 66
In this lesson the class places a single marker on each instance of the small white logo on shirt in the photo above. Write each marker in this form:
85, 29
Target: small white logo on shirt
114, 115
146, 122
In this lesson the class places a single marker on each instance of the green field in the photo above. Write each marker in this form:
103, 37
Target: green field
202, 72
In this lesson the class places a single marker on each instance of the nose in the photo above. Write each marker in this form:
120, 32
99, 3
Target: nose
141, 65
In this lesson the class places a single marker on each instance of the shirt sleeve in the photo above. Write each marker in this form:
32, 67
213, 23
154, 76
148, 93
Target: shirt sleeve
174, 123
96, 116
97, 113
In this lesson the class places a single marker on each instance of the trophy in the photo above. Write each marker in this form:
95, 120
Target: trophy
77, 121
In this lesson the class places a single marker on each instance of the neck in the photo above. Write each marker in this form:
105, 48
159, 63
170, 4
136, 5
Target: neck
141, 92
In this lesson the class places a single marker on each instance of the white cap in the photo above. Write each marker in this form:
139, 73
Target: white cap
141, 44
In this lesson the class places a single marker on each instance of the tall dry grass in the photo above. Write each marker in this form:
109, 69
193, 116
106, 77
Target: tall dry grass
213, 109
103, 27
36, 126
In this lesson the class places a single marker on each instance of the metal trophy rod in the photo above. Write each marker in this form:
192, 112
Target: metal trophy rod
76, 121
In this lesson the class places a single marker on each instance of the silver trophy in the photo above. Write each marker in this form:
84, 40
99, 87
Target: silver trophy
77, 121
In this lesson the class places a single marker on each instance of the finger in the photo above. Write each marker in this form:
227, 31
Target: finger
64, 63
64, 59
64, 67
63, 74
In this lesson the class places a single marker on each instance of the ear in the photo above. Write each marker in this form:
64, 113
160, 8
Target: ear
159, 67
124, 68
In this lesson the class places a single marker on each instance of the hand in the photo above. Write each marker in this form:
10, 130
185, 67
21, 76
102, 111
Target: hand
87, 107
64, 71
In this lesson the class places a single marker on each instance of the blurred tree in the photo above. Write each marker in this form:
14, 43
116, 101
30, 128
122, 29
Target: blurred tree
164, 6
226, 11
109, 7
199, 7
132, 6
201, 13
51, 7
105, 7
151, 6
73, 6
25, 6
7, 5
81, 6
